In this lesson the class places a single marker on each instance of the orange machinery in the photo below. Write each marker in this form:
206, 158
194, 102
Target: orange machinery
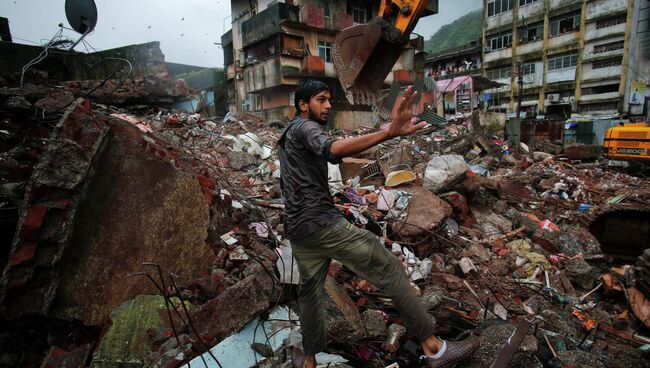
628, 142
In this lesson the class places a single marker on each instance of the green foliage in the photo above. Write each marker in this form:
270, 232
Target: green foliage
457, 33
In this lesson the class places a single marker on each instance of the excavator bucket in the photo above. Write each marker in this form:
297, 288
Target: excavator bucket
363, 58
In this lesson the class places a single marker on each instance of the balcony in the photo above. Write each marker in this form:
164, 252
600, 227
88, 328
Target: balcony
531, 10
499, 20
560, 75
571, 38
604, 49
273, 72
599, 8
530, 47
498, 55
593, 33
589, 73
267, 22
600, 97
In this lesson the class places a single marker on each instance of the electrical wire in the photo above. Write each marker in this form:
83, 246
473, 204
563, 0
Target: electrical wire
57, 40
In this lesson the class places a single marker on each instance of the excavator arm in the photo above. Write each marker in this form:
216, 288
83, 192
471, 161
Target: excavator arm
364, 54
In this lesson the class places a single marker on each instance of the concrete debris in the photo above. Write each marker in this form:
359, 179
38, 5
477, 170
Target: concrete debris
489, 232
442, 171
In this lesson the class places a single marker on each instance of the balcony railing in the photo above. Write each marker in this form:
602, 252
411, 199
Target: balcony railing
267, 22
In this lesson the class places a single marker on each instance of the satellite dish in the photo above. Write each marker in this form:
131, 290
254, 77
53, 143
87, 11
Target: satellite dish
81, 14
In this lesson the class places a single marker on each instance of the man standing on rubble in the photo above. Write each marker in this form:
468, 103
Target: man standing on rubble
319, 233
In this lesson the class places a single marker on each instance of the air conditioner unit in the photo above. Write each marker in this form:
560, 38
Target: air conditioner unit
487, 49
553, 97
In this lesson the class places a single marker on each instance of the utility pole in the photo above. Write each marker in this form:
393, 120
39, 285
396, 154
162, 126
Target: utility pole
520, 83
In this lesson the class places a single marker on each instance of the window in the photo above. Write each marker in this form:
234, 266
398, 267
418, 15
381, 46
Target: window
500, 41
563, 61
606, 63
532, 33
325, 51
607, 47
595, 90
326, 9
257, 100
565, 23
500, 73
526, 2
599, 107
528, 69
609, 22
499, 6
359, 14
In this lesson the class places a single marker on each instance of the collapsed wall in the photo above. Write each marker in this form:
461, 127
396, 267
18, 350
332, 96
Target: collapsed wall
103, 199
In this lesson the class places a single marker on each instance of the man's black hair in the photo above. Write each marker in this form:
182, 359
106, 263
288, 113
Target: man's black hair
307, 89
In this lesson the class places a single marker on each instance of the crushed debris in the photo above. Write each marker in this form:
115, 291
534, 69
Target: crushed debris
95, 189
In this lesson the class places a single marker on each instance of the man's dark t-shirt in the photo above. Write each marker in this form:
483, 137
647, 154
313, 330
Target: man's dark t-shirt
304, 153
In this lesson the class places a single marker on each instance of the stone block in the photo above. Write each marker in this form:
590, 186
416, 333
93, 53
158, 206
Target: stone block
32, 222
425, 213
343, 319
231, 310
373, 321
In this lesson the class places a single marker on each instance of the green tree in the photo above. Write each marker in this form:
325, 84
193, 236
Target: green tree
457, 33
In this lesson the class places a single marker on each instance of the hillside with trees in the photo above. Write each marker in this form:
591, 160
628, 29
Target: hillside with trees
457, 33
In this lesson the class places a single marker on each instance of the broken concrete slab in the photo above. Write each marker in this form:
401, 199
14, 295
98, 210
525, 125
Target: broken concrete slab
492, 340
239, 160
426, 212
343, 319
582, 274
442, 171
224, 315
375, 323
30, 279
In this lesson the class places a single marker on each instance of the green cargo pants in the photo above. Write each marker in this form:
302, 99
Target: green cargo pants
360, 251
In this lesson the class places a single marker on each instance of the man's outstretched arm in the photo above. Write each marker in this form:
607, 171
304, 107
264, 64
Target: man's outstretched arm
402, 123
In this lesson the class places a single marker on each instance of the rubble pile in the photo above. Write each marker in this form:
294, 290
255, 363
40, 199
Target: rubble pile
154, 237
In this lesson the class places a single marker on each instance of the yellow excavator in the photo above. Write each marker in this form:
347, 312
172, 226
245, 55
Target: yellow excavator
628, 142
364, 54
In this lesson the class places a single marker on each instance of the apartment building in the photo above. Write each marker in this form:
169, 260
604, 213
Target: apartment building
455, 71
590, 57
274, 44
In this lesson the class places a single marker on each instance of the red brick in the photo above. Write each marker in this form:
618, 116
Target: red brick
24, 253
460, 207
32, 222
313, 65
402, 76
313, 15
206, 182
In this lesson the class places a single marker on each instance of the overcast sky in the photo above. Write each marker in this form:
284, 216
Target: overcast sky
186, 29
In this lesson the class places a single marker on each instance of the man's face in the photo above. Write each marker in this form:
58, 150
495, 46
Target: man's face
319, 107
